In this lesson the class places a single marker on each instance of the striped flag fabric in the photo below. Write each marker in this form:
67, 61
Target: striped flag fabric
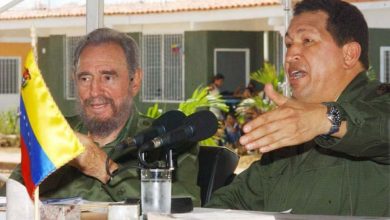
46, 139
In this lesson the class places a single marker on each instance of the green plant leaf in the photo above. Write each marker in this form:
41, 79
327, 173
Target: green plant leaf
201, 98
208, 142
9, 122
153, 111
267, 74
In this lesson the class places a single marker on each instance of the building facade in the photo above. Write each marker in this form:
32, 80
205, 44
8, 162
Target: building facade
183, 44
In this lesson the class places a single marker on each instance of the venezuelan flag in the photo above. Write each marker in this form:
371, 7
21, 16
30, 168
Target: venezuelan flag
46, 139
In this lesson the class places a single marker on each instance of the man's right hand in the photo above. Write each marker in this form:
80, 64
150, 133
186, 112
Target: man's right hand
92, 161
292, 122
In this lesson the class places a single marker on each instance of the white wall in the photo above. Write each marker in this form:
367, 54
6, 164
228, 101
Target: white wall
379, 18
248, 19
9, 102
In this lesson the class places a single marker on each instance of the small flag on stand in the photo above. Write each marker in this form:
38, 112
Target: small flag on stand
46, 139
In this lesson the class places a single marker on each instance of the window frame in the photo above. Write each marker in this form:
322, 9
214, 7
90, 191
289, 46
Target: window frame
383, 63
68, 69
18, 60
162, 69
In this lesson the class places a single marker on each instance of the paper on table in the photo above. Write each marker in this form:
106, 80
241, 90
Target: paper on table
97, 207
85, 205
3, 203
288, 211
64, 201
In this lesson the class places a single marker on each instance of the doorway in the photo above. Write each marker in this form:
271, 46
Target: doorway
234, 65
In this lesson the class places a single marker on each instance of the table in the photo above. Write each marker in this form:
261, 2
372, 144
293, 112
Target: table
227, 214
198, 213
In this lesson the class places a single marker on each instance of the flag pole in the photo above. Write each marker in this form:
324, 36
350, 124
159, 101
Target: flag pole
37, 215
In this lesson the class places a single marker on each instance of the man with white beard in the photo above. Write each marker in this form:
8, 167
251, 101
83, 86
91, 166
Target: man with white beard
107, 75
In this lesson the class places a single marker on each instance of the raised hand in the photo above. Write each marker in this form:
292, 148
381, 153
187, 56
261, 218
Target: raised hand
291, 123
92, 161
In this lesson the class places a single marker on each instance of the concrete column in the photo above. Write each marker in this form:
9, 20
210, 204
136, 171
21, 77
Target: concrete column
94, 15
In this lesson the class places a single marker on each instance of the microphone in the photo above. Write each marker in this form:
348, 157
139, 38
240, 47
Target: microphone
196, 127
165, 123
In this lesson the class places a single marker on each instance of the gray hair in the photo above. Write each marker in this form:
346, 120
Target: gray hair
107, 35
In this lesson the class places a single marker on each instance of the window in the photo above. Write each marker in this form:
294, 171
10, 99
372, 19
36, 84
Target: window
163, 66
70, 90
9, 75
385, 65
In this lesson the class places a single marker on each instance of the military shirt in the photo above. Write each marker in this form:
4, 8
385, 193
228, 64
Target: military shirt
70, 182
347, 176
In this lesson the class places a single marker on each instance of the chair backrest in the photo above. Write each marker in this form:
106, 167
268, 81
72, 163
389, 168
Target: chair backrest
216, 169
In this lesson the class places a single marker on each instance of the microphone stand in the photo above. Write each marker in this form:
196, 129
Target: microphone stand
170, 160
156, 184
169, 164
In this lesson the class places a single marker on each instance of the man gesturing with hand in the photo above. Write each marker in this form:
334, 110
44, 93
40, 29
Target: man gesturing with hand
291, 123
326, 149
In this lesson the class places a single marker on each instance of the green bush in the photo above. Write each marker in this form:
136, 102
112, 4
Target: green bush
251, 107
371, 74
9, 122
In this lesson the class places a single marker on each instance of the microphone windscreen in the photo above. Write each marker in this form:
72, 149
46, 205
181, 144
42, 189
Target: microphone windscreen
170, 120
163, 124
205, 124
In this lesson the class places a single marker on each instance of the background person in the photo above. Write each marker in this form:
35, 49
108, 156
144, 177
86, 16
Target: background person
214, 89
232, 131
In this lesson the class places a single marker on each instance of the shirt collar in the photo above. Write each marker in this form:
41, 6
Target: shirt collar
357, 83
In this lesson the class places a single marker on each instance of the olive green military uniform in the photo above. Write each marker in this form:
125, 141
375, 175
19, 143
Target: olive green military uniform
70, 182
348, 176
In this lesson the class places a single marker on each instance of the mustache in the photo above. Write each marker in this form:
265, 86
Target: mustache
104, 127
296, 66
99, 100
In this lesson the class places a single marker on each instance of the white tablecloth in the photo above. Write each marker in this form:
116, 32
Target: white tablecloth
227, 214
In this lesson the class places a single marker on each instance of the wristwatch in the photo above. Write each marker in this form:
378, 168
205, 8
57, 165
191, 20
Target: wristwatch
335, 117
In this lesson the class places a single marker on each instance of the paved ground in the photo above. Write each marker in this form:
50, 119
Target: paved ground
9, 158
11, 155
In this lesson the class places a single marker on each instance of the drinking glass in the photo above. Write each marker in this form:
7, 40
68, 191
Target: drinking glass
156, 187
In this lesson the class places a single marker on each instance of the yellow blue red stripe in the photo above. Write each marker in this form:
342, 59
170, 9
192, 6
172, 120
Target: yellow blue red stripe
47, 141
39, 162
